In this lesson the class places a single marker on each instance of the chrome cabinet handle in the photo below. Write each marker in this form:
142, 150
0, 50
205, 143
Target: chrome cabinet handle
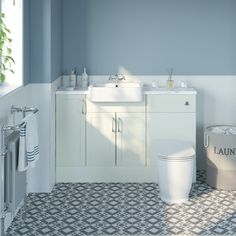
82, 112
206, 140
113, 129
119, 125
186, 103
84, 107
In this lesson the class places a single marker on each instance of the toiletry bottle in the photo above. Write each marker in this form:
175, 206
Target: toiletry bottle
84, 79
72, 78
154, 84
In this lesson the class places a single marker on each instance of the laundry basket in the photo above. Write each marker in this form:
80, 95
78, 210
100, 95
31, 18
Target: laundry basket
220, 144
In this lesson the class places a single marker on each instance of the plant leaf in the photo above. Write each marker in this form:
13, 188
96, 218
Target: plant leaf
6, 60
2, 77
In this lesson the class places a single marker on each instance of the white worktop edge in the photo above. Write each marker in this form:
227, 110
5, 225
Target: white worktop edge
147, 91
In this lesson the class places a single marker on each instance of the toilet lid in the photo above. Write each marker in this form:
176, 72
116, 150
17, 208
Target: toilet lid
175, 149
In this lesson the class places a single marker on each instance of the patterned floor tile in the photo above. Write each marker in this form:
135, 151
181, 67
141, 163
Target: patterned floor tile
99, 209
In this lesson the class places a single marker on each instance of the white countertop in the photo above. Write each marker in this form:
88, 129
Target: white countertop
151, 90
147, 90
71, 91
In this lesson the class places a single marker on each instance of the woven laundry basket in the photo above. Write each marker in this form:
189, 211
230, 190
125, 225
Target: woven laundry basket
220, 144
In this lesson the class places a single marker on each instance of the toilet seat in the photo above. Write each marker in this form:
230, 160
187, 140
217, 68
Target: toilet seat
175, 150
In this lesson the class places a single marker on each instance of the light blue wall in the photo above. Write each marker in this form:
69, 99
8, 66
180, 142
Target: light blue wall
45, 40
56, 39
195, 37
74, 34
40, 38
26, 42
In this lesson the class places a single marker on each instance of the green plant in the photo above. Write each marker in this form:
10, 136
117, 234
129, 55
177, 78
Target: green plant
6, 60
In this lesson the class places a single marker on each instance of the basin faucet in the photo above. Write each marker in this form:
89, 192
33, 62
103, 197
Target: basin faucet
117, 78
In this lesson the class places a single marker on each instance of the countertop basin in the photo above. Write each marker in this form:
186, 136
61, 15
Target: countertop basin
116, 92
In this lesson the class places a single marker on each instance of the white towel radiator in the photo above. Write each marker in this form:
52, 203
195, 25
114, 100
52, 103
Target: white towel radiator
4, 130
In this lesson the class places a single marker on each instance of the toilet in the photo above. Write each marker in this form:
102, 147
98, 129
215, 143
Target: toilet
175, 170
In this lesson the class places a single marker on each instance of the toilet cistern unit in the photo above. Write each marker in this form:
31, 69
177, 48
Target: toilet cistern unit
175, 170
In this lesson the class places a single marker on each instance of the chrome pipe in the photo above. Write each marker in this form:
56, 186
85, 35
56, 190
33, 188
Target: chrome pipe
2, 205
23, 109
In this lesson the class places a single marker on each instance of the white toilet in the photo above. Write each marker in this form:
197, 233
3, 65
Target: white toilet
175, 170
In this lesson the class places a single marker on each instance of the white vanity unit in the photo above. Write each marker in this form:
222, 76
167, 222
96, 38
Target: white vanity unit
118, 141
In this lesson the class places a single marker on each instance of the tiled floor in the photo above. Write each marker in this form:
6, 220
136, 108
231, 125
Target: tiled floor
126, 209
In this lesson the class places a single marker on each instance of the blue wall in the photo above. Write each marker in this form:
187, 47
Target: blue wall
56, 39
195, 37
45, 40
74, 35
40, 38
26, 43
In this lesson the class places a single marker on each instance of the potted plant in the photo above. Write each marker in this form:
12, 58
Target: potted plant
6, 60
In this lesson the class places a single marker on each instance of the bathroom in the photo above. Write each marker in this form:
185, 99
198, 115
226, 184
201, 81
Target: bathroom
144, 41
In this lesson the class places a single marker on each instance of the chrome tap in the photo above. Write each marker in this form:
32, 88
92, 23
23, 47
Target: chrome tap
117, 78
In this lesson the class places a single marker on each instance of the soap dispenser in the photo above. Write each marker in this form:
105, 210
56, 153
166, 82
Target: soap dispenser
72, 78
85, 79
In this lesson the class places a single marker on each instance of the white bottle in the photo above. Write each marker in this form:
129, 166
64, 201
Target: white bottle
72, 78
84, 79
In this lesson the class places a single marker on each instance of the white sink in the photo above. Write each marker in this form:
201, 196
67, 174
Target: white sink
116, 92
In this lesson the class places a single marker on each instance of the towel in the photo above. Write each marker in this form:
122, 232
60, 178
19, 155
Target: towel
29, 147
22, 158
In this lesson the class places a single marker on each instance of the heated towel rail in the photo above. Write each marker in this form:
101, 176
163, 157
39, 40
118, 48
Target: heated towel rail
3, 151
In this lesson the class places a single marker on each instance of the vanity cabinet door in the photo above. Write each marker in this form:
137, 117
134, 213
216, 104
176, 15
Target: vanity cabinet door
131, 138
70, 130
100, 139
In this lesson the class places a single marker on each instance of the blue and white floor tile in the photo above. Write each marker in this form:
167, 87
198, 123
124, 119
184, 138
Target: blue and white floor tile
126, 209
